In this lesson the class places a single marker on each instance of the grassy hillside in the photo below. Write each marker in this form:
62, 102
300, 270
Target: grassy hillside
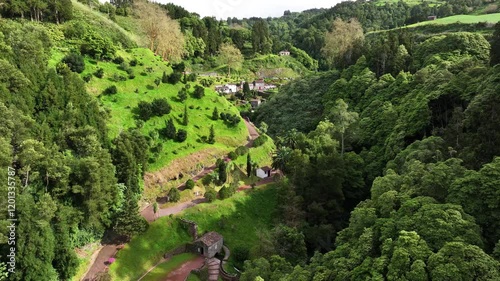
489, 18
142, 88
409, 2
239, 219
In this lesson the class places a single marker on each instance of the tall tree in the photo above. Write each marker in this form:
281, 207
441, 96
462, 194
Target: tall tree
261, 40
495, 46
185, 117
164, 34
211, 136
230, 56
249, 165
342, 118
342, 42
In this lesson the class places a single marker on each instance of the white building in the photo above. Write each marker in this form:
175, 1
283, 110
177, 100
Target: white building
263, 172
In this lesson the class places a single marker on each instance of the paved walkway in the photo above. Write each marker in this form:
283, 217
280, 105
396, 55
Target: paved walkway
182, 272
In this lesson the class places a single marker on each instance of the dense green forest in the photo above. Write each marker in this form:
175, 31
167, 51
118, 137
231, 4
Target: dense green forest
392, 174
389, 146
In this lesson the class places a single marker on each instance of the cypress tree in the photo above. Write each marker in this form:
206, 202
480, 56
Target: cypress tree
170, 131
215, 114
185, 120
249, 165
495, 46
211, 137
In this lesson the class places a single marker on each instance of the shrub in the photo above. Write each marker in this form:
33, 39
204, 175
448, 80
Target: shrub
207, 179
210, 195
181, 135
145, 110
179, 67
232, 155
99, 73
199, 92
133, 62
259, 141
242, 150
118, 60
240, 255
111, 90
87, 77
174, 195
192, 77
174, 78
160, 107
227, 191
190, 184
75, 62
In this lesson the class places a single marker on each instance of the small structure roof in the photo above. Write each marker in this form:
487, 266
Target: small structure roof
210, 238
266, 168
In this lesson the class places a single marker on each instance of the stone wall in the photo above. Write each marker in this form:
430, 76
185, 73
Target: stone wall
177, 251
191, 227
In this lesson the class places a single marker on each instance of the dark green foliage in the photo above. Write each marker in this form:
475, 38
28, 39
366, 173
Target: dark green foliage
179, 67
111, 90
157, 81
181, 135
165, 77
190, 184
192, 77
99, 73
129, 222
230, 119
211, 136
249, 165
495, 46
227, 191
199, 92
174, 195
241, 150
210, 195
182, 95
260, 140
57, 11
130, 159
174, 78
261, 41
215, 114
221, 171
134, 62
74, 62
232, 155
185, 116
97, 46
169, 131
158, 107
87, 78
118, 60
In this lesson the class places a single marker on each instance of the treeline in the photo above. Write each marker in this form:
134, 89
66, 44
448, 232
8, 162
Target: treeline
38, 10
390, 177
73, 184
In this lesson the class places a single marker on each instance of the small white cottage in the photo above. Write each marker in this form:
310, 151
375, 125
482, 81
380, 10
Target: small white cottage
264, 172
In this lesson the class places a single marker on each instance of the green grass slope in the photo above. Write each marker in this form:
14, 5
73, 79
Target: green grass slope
239, 219
143, 88
468, 19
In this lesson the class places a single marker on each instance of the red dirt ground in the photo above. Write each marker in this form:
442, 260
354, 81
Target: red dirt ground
182, 272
